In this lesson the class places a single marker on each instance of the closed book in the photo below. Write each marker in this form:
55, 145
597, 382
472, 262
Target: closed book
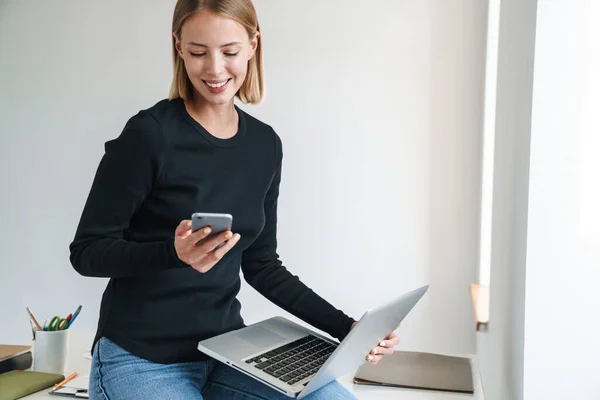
14, 357
417, 370
17, 384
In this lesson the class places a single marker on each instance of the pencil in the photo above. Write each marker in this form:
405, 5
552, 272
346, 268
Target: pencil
67, 379
33, 318
74, 316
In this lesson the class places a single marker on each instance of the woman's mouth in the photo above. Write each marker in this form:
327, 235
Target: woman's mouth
217, 86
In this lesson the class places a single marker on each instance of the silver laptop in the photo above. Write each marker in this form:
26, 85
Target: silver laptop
297, 361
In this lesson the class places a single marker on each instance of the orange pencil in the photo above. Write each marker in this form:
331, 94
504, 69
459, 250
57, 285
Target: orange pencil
67, 379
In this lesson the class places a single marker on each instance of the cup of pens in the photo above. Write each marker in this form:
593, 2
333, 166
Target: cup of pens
51, 342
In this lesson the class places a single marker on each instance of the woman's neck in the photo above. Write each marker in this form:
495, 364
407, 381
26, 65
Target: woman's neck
220, 121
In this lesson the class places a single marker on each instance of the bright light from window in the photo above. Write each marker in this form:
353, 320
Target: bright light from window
489, 128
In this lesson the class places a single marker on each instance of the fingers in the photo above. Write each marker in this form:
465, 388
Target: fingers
390, 341
199, 250
202, 251
385, 347
221, 251
382, 350
184, 231
374, 359
210, 244
207, 259
184, 228
200, 234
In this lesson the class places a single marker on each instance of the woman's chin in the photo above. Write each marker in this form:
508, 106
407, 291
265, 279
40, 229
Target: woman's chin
217, 99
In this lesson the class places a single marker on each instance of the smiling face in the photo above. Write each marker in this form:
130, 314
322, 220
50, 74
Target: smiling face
215, 50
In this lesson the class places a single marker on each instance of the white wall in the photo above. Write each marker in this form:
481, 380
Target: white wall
562, 350
379, 107
500, 348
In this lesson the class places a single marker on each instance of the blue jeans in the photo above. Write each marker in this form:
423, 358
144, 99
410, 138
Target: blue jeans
118, 374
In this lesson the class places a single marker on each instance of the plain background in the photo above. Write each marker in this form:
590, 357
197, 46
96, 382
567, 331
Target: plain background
562, 300
542, 342
379, 106
500, 349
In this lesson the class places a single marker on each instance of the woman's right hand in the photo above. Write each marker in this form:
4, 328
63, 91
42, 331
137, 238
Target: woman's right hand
199, 251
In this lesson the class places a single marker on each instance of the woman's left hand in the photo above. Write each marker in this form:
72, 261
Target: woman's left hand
386, 346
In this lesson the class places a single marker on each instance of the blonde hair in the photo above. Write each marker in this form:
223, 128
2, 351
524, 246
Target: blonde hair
241, 11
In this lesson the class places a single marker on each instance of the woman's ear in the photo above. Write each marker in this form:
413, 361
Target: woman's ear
178, 44
253, 45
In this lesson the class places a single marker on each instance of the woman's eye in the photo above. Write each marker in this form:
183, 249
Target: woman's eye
203, 54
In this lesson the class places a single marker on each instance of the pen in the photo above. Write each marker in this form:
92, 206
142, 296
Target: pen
33, 318
74, 316
67, 379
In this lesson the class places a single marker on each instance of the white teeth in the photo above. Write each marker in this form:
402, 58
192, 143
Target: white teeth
217, 85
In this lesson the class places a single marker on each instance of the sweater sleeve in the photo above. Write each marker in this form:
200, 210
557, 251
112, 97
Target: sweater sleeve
130, 166
265, 272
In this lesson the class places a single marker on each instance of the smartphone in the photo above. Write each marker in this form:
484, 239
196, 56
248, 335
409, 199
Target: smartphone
217, 222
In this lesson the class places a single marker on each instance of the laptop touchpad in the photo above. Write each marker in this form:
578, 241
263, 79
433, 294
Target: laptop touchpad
259, 336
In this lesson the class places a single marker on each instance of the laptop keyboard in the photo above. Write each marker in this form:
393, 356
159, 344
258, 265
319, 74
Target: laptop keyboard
296, 361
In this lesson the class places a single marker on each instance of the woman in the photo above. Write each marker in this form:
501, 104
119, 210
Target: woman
195, 151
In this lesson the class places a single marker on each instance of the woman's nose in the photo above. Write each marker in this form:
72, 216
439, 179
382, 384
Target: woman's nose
216, 65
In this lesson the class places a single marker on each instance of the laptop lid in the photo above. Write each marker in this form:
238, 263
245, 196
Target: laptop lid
374, 325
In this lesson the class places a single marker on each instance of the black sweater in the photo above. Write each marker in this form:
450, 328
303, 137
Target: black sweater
162, 168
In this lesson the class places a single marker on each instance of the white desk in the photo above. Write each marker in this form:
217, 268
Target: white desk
80, 343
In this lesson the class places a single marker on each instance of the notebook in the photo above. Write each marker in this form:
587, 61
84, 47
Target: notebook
417, 370
17, 384
9, 350
14, 357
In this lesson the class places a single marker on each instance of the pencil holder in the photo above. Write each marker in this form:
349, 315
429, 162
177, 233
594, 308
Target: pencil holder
50, 351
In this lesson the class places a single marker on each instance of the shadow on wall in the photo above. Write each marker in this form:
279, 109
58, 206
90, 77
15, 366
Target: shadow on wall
457, 77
